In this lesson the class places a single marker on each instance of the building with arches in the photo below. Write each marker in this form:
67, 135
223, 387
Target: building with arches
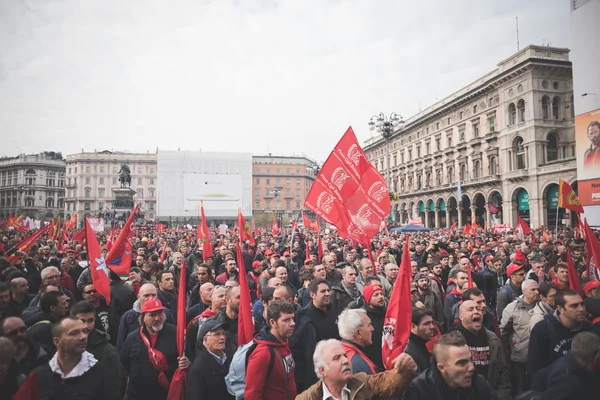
507, 137
33, 185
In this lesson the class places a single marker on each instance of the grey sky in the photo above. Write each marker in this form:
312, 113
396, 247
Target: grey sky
259, 75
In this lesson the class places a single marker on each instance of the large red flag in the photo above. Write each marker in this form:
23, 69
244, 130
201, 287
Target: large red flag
396, 325
25, 245
207, 249
79, 235
177, 388
467, 230
349, 192
320, 249
119, 256
274, 228
567, 197
592, 252
245, 232
97, 266
245, 323
523, 227
574, 280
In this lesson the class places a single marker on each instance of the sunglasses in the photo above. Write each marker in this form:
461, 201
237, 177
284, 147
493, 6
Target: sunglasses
93, 291
13, 333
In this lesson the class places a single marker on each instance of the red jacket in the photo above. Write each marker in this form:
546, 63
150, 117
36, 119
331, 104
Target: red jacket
259, 386
223, 278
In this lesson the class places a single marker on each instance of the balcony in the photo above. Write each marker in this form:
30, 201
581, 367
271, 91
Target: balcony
517, 175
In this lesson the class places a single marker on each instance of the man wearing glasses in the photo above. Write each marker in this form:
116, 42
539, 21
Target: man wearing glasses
231, 273
102, 310
28, 354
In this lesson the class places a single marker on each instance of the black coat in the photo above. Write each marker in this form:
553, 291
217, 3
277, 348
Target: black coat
302, 345
417, 349
94, 384
143, 378
431, 386
373, 351
206, 378
323, 321
41, 333
122, 297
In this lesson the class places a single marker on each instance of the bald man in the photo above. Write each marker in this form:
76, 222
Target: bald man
205, 291
19, 297
28, 355
129, 321
485, 348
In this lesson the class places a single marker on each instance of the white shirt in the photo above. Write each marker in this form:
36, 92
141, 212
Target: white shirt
328, 396
84, 365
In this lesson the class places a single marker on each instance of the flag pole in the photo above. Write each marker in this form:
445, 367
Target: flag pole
556, 228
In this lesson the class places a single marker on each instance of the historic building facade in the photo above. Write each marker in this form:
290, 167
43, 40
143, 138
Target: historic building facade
92, 176
280, 184
33, 185
500, 143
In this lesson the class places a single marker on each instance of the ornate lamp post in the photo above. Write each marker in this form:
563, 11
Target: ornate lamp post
276, 191
385, 125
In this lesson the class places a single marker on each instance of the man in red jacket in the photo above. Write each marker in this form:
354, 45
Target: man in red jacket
272, 341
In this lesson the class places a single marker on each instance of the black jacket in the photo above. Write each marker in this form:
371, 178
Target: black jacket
417, 349
143, 378
565, 379
206, 378
129, 323
549, 340
431, 386
302, 345
35, 357
340, 298
15, 309
324, 322
122, 297
377, 315
41, 333
94, 384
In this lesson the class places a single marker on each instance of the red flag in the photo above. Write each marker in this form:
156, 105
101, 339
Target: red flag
79, 235
111, 238
522, 225
274, 228
294, 225
307, 222
25, 245
567, 197
97, 266
453, 226
533, 242
254, 228
245, 232
207, 249
164, 253
245, 323
320, 249
51, 230
396, 325
574, 280
177, 387
30, 390
119, 257
467, 230
349, 192
592, 252
469, 277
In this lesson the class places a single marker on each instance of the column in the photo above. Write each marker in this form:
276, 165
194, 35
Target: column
426, 222
534, 213
488, 222
473, 215
508, 209
437, 217
460, 221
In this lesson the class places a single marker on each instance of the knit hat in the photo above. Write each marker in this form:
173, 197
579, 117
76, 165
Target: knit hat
420, 276
369, 290
256, 264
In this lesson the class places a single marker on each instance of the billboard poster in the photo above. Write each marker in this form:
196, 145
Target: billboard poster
587, 136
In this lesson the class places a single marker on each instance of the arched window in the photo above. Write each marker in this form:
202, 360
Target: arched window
493, 166
545, 106
556, 108
428, 179
30, 177
450, 175
61, 203
402, 185
512, 114
477, 169
463, 172
49, 202
521, 109
519, 154
552, 147
88, 192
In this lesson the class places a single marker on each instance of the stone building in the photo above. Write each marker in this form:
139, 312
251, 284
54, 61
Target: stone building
33, 185
507, 138
92, 176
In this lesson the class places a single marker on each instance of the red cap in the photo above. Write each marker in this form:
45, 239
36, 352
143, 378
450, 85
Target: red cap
268, 253
512, 268
489, 257
369, 290
459, 255
591, 285
256, 264
275, 254
286, 253
520, 256
152, 305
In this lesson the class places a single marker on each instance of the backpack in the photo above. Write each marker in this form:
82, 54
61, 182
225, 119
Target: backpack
236, 378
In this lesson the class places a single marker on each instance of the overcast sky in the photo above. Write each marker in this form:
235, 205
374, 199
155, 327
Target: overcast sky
261, 76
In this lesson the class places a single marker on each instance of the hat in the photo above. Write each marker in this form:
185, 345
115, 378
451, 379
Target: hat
443, 252
286, 253
256, 264
591, 285
309, 261
152, 305
144, 239
275, 254
268, 253
460, 255
212, 325
369, 290
512, 268
488, 258
520, 256
420, 276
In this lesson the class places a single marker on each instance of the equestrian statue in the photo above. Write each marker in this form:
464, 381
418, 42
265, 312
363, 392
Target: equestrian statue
125, 175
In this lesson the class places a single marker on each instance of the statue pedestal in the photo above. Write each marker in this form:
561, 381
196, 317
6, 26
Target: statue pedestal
123, 201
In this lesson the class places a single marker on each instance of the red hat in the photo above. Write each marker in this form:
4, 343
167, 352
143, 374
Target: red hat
489, 257
152, 305
268, 253
286, 253
256, 264
369, 290
591, 285
512, 268
275, 254
520, 256
460, 255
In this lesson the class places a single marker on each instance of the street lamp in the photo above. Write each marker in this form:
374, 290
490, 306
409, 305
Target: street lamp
385, 125
276, 191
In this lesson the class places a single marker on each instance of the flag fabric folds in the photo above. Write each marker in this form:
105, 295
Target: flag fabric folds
25, 245
567, 197
349, 192
119, 256
204, 235
593, 254
177, 387
396, 325
274, 227
245, 232
245, 322
97, 267
574, 280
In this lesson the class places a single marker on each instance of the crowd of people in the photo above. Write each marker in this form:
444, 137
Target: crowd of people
494, 316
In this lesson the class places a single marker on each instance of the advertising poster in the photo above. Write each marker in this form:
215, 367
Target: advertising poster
587, 136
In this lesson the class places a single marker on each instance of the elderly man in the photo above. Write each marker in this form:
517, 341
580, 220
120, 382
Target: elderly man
390, 271
346, 292
452, 374
333, 275
338, 381
149, 354
515, 330
51, 276
73, 372
218, 303
356, 332
29, 354
205, 291
486, 348
130, 320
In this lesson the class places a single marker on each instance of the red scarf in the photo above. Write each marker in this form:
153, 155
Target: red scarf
352, 350
158, 361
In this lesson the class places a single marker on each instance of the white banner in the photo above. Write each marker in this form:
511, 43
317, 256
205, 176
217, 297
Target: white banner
97, 224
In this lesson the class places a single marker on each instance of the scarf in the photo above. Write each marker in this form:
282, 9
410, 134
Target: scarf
352, 290
352, 349
158, 361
